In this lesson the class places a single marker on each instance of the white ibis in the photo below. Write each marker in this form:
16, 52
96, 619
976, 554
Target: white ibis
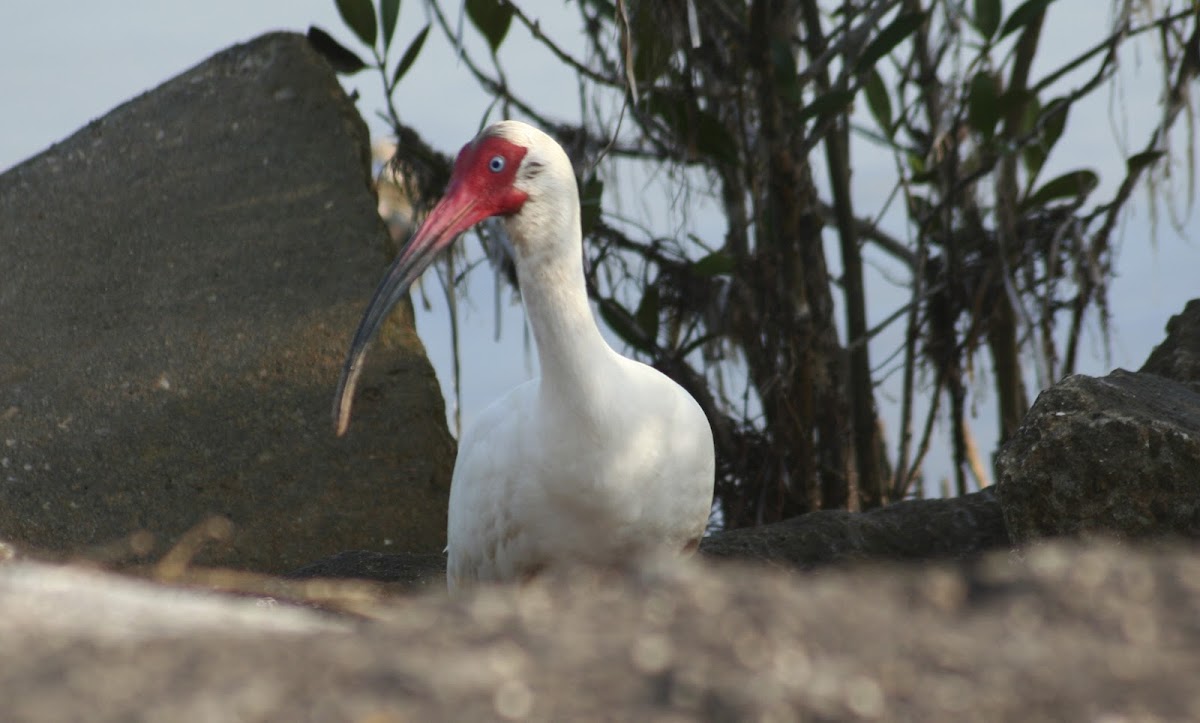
598, 460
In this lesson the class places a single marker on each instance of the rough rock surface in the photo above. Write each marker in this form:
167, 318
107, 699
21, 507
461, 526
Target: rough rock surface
956, 528
1068, 632
1178, 357
181, 280
1117, 455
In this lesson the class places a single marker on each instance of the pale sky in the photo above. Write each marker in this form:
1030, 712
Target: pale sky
67, 64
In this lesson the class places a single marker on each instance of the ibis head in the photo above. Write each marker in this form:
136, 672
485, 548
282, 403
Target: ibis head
496, 174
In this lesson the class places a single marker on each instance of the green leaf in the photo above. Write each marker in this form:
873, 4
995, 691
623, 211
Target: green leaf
410, 55
1033, 155
879, 101
987, 17
828, 104
916, 163
904, 25
492, 18
921, 172
342, 60
927, 176
1138, 161
983, 103
622, 323
1031, 109
359, 16
1056, 121
718, 263
589, 204
1053, 119
1026, 13
389, 10
646, 315
1075, 184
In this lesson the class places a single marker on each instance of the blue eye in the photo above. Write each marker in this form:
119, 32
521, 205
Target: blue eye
496, 164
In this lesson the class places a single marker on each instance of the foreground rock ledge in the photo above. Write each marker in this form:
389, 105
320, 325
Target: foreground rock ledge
1069, 632
181, 280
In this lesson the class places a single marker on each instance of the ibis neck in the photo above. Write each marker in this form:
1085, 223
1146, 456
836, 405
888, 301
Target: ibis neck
571, 352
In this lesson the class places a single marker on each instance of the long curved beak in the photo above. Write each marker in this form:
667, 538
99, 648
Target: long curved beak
456, 212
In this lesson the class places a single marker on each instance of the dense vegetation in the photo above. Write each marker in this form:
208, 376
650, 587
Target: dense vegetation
746, 102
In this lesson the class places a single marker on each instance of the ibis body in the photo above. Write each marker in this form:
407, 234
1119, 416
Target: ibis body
600, 459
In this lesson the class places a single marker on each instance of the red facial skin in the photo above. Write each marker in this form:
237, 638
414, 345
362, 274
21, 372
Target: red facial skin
480, 187
491, 193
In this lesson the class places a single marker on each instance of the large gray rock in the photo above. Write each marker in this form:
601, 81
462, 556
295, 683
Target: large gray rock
1104, 632
1117, 455
1178, 357
180, 282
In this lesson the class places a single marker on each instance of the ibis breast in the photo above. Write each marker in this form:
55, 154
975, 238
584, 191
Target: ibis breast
544, 479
